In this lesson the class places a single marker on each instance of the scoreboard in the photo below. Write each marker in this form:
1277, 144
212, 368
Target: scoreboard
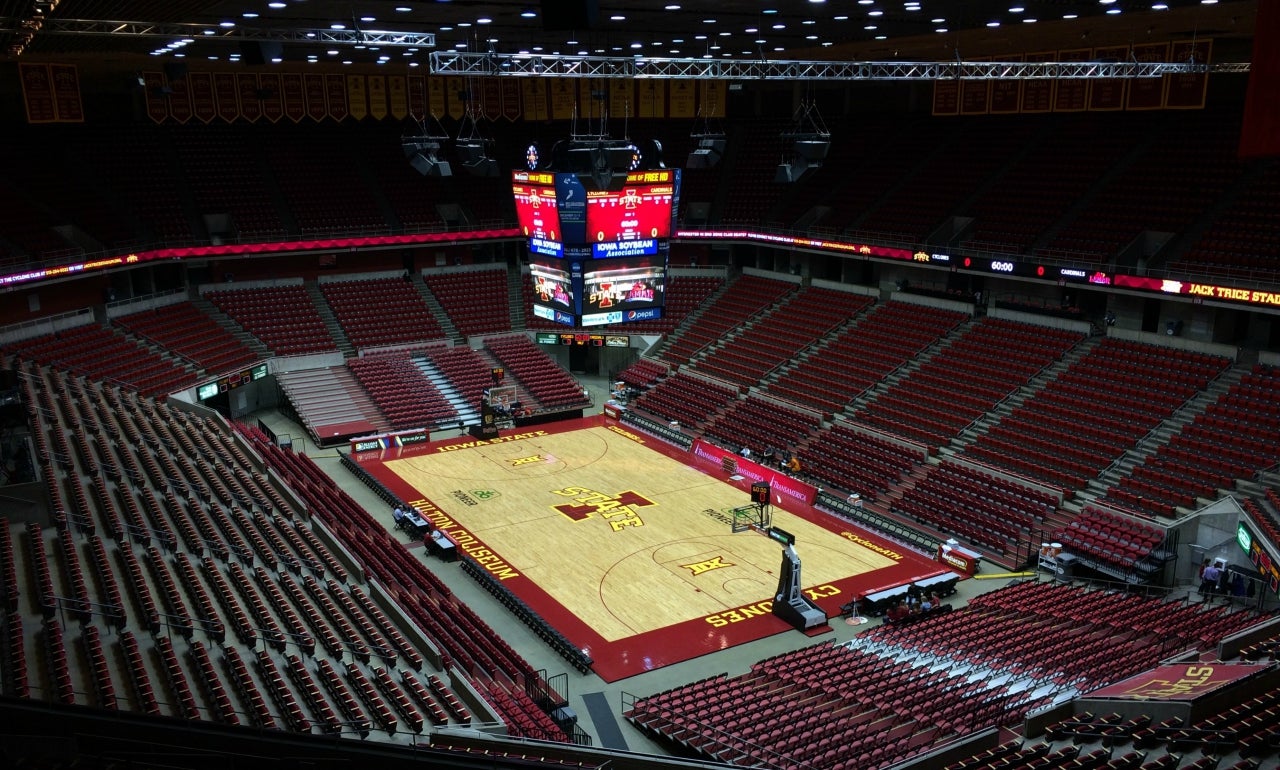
597, 257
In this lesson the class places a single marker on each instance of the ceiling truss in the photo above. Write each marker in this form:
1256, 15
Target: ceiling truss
172, 30
526, 65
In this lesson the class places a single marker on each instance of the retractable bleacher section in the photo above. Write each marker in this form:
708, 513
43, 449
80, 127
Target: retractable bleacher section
902, 688
1114, 542
744, 298
780, 335
401, 391
963, 381
851, 461
877, 343
1069, 431
644, 373
102, 353
184, 329
550, 385
980, 507
1234, 438
332, 403
686, 399
760, 423
284, 318
477, 301
170, 506
381, 311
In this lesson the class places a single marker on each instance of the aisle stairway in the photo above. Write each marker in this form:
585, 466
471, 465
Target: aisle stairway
468, 414
330, 320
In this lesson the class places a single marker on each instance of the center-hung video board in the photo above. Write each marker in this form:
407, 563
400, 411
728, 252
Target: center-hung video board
597, 256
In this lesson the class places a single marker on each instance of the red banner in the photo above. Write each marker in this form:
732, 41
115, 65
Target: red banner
313, 88
1187, 91
335, 88
66, 93
1006, 95
250, 100
975, 95
1037, 95
1107, 94
1147, 93
781, 484
37, 91
293, 96
180, 108
224, 89
157, 101
202, 104
1181, 682
1260, 129
510, 99
1072, 94
272, 99
417, 89
456, 89
946, 97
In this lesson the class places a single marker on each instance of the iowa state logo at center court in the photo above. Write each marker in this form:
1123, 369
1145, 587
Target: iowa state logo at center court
618, 509
699, 567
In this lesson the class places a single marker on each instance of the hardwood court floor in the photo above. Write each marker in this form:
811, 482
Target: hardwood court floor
623, 542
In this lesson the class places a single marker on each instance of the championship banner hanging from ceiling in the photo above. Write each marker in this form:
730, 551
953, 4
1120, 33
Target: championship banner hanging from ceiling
510, 99
377, 97
652, 98
713, 98
622, 100
1037, 95
455, 89
437, 100
66, 93
1147, 93
335, 91
490, 98
592, 93
975, 95
533, 99
228, 97
1006, 95
416, 96
564, 99
203, 105
157, 101
1107, 94
1072, 94
1186, 91
357, 98
683, 98
37, 92
179, 99
292, 97
946, 97
314, 90
397, 96
272, 100
250, 101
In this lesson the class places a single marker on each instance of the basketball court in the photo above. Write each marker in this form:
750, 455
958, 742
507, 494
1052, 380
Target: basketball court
625, 543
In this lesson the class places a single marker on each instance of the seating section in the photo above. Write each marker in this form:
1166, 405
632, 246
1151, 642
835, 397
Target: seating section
864, 353
284, 318
901, 688
1242, 235
980, 507
1234, 438
760, 424
224, 168
183, 329
477, 301
848, 460
104, 354
327, 196
549, 384
960, 383
778, 336
686, 399
382, 311
1090, 414
1109, 539
744, 298
401, 391
644, 373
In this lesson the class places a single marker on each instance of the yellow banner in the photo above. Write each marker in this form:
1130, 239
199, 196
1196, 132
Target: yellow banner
435, 97
378, 96
590, 105
397, 96
653, 98
622, 100
712, 95
563, 99
357, 97
533, 93
683, 97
